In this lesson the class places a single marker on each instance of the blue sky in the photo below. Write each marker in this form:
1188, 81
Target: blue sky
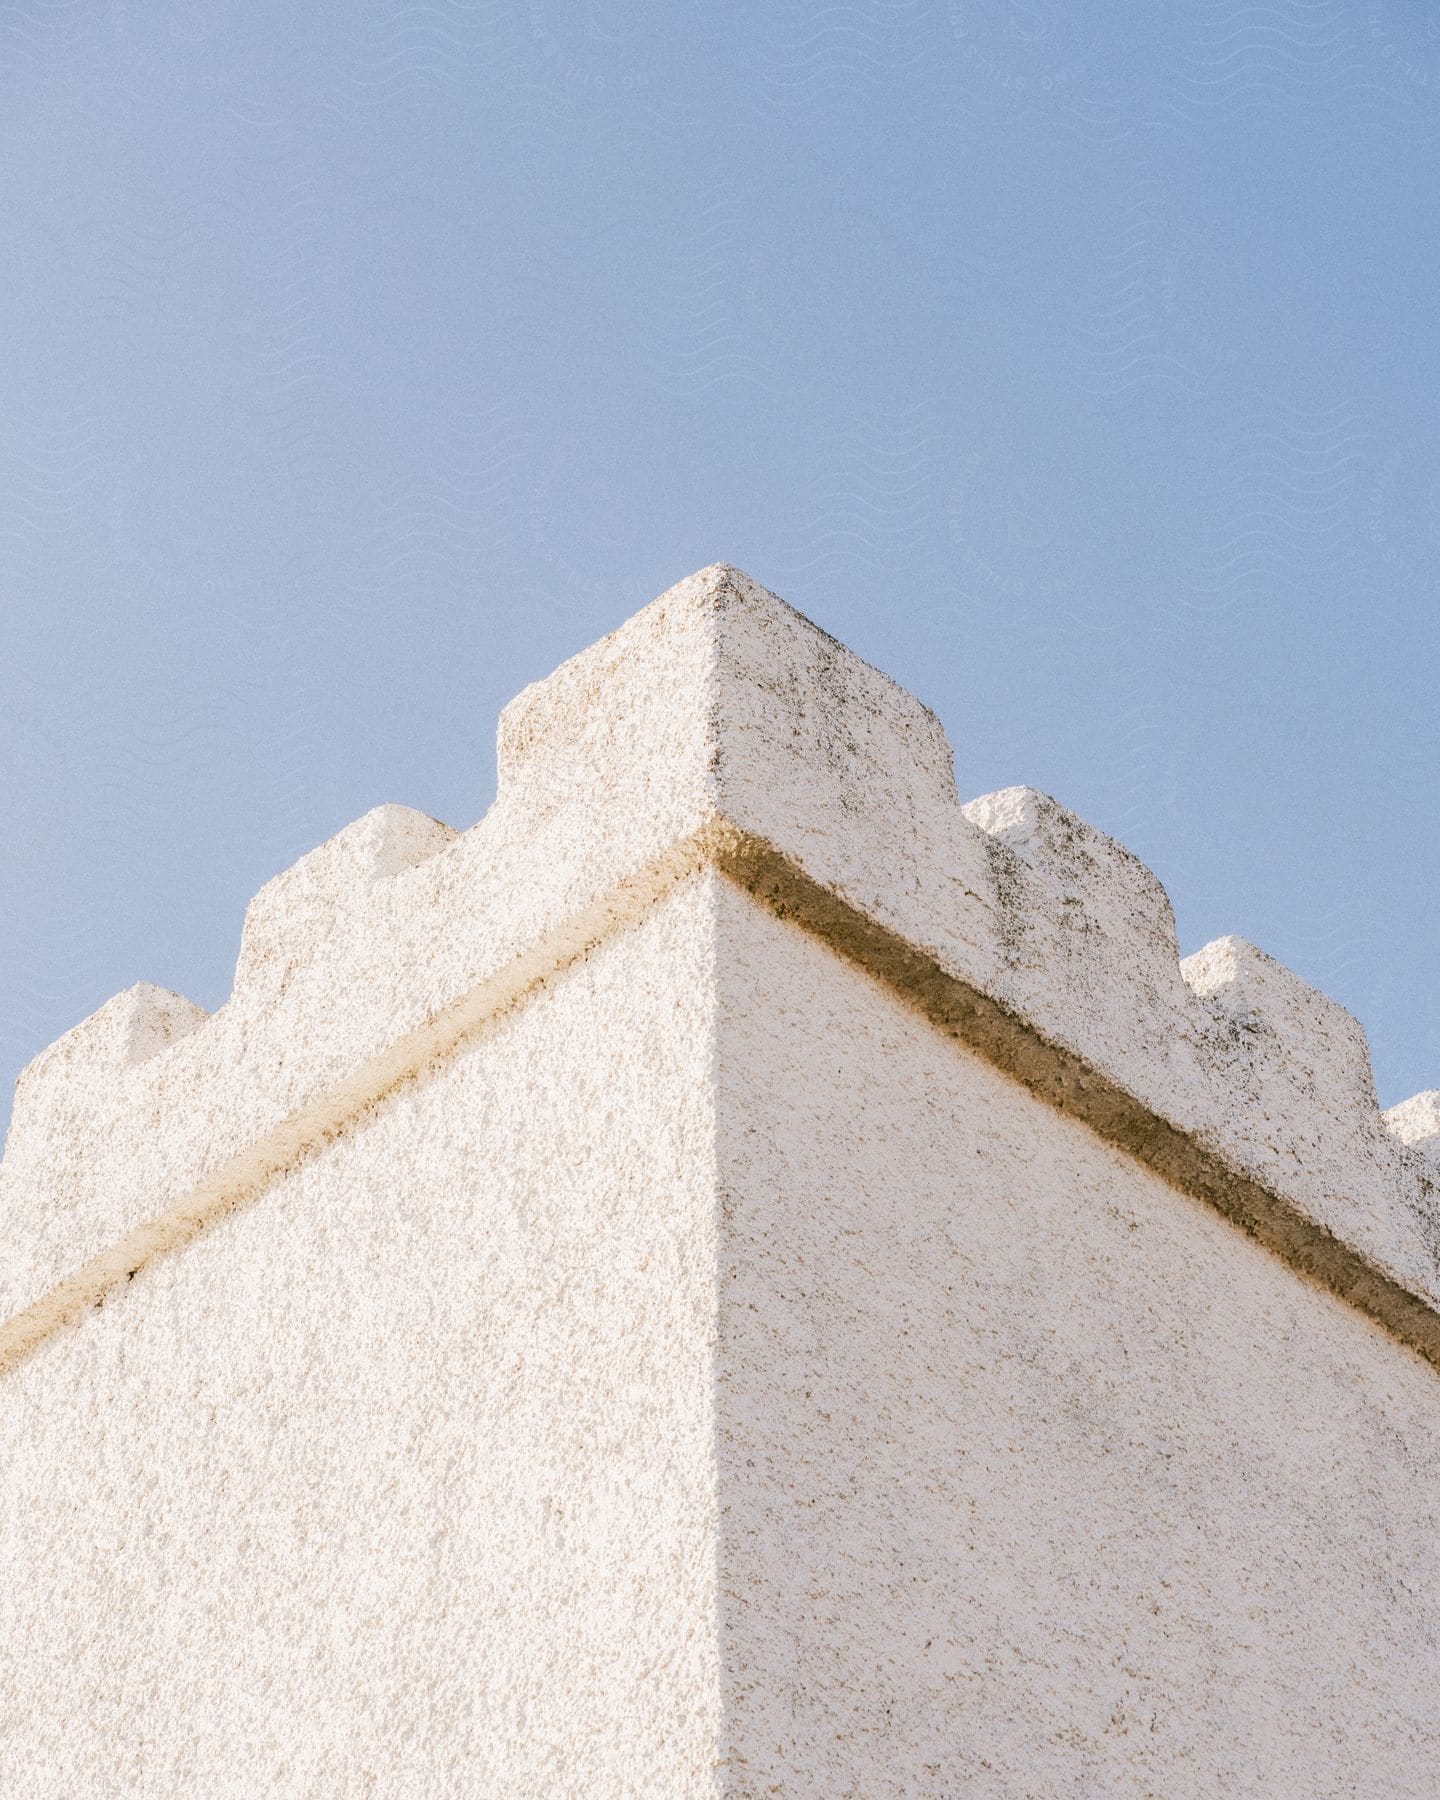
1074, 364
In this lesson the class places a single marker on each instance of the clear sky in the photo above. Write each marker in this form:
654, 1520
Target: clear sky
1075, 364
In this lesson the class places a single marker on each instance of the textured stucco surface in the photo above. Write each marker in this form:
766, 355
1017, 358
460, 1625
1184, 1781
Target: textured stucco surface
715, 1279
399, 1481
714, 1379
718, 727
1037, 1476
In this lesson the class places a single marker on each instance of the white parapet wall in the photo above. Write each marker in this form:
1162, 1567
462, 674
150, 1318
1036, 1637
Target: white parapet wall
737, 1274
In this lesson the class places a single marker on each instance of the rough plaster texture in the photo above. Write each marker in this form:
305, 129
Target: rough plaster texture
714, 1280
1036, 1476
400, 1481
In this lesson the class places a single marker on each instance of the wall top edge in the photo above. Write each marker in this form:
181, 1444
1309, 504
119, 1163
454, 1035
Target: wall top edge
717, 702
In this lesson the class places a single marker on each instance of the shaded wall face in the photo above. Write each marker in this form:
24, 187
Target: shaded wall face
400, 1480
1036, 1476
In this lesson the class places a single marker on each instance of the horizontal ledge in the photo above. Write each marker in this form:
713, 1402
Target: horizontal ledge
242, 1177
1076, 1088
1009, 1041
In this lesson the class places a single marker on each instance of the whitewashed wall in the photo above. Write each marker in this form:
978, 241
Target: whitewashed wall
737, 1274
399, 1480
1038, 1477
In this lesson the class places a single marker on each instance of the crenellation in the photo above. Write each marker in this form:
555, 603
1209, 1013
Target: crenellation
93, 1066
289, 921
1416, 1123
721, 1277
130, 1027
1292, 1093
717, 726
1290, 1032
1290, 1062
1316, 1041
1087, 934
